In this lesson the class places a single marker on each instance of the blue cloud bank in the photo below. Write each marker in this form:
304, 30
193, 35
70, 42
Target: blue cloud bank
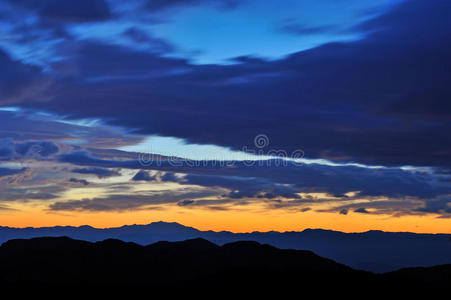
369, 88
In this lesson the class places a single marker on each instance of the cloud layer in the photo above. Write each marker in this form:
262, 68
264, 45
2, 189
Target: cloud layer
83, 79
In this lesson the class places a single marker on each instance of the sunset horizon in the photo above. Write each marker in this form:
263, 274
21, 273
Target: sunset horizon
233, 229
226, 115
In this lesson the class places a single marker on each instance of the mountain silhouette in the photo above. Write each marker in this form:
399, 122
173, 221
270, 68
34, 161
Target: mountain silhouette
375, 251
65, 262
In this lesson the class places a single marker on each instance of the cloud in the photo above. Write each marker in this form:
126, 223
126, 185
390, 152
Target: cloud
298, 204
118, 202
169, 177
387, 109
380, 206
144, 38
2, 207
24, 127
382, 99
36, 149
186, 202
242, 187
441, 205
279, 180
143, 176
11, 194
158, 176
99, 172
158, 5
6, 149
67, 11
80, 181
19, 81
362, 210
10, 150
91, 63
212, 204
9, 172
299, 29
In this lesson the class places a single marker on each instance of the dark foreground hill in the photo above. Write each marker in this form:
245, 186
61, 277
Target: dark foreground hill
58, 262
374, 251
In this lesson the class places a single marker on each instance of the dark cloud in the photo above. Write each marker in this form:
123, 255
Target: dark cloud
25, 127
80, 181
6, 149
143, 176
361, 210
67, 11
394, 207
93, 61
27, 194
82, 158
118, 202
112, 203
9, 149
169, 177
8, 171
441, 205
158, 176
158, 5
19, 81
293, 27
278, 180
99, 172
36, 149
210, 204
242, 187
297, 204
39, 196
381, 100
186, 202
144, 38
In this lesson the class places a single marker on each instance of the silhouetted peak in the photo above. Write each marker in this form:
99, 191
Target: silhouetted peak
43, 244
167, 225
319, 230
86, 227
197, 244
160, 226
116, 243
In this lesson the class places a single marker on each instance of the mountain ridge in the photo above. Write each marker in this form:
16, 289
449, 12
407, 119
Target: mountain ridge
219, 231
374, 250
64, 262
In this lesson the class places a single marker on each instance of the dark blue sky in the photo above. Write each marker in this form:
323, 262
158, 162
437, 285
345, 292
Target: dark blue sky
360, 88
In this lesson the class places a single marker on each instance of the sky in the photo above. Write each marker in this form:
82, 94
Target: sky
226, 115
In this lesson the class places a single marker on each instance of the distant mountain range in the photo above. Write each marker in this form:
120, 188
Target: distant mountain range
111, 265
374, 251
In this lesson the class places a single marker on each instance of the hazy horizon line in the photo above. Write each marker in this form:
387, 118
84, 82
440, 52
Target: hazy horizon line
229, 231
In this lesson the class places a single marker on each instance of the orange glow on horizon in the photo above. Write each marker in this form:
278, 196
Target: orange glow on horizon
235, 220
